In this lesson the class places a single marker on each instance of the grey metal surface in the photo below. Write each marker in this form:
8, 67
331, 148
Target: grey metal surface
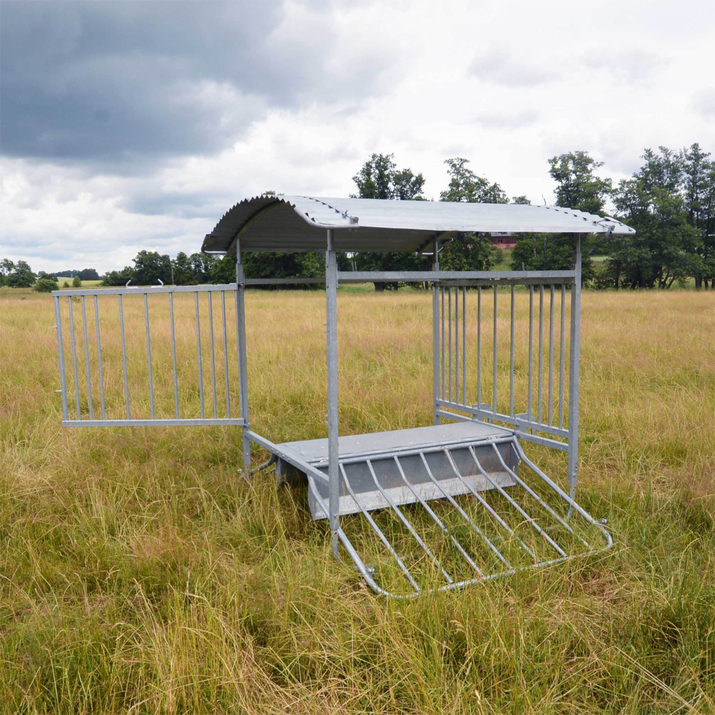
298, 223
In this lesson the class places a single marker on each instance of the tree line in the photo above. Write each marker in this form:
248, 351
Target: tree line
669, 200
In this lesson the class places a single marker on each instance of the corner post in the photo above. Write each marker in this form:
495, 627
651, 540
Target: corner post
242, 364
331, 285
574, 359
436, 347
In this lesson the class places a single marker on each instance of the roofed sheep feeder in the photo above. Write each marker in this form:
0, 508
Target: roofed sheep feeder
417, 510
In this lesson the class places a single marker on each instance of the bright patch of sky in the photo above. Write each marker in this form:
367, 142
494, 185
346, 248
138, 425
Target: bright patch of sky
136, 124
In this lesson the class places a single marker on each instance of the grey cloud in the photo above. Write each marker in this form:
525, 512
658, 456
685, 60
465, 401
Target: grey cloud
704, 103
499, 67
630, 66
134, 81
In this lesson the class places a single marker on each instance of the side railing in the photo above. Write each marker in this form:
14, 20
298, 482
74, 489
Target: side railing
160, 355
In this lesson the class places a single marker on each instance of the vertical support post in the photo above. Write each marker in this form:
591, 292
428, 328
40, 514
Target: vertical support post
242, 364
331, 285
436, 339
574, 359
61, 354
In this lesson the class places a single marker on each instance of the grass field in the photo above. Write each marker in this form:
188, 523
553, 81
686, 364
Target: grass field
139, 573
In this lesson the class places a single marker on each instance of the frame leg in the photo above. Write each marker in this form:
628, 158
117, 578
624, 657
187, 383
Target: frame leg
331, 284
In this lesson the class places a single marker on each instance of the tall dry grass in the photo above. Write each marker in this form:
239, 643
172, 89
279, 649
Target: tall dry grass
139, 573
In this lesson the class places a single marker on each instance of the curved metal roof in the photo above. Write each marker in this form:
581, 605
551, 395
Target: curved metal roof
299, 223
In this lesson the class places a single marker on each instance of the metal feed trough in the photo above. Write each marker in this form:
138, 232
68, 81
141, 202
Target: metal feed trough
417, 510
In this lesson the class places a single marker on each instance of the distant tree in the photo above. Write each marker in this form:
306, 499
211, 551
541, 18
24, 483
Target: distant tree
183, 270
6, 268
469, 251
699, 195
21, 276
76, 282
45, 284
666, 247
379, 178
88, 274
151, 267
119, 278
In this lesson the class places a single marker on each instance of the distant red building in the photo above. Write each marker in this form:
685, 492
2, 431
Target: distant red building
503, 240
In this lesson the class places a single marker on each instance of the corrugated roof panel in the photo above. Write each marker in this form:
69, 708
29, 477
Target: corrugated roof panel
298, 223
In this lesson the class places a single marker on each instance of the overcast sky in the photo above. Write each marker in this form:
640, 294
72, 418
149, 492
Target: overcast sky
136, 124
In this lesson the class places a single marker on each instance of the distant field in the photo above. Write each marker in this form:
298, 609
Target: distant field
140, 573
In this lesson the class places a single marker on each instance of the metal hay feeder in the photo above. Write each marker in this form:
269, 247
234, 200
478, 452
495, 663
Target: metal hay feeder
432, 508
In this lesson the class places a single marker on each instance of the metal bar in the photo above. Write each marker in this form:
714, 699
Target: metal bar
61, 356
444, 343
531, 492
86, 358
378, 531
449, 340
551, 358
493, 548
494, 370
331, 282
511, 358
531, 352
574, 358
124, 355
407, 524
434, 516
99, 358
225, 352
173, 355
515, 504
283, 281
421, 276
435, 339
541, 352
148, 354
464, 344
561, 356
213, 355
139, 290
479, 345
481, 501
198, 350
74, 359
456, 344
242, 356
184, 422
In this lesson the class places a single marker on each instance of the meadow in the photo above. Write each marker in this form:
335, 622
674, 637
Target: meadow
140, 572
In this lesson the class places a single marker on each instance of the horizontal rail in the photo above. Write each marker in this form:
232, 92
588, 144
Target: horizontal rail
140, 290
421, 276
287, 455
283, 281
516, 421
188, 422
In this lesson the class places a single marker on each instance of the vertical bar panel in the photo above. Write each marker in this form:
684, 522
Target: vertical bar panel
331, 284
464, 345
173, 355
148, 354
124, 355
494, 368
479, 345
561, 357
511, 357
242, 359
99, 358
86, 358
225, 352
551, 356
531, 353
574, 357
198, 348
435, 340
213, 354
539, 390
444, 344
449, 339
74, 357
456, 345
61, 355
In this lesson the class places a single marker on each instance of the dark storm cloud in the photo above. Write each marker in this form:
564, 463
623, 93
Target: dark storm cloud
130, 81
